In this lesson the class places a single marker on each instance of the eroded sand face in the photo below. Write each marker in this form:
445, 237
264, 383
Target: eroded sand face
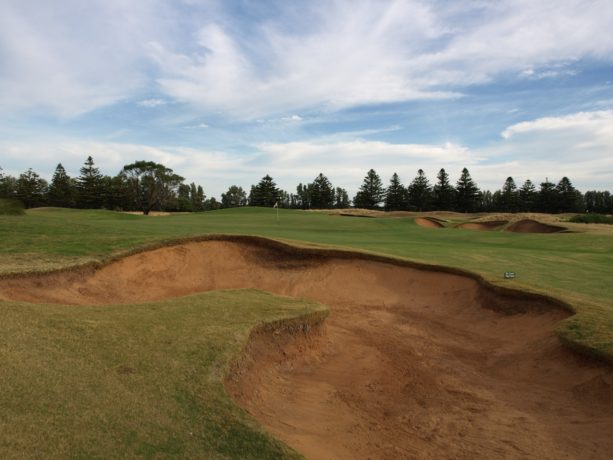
410, 364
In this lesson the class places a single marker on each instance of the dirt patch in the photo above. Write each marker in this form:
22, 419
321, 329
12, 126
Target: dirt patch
410, 363
488, 225
429, 222
533, 226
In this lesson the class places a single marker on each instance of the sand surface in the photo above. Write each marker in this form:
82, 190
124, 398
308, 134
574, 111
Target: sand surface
429, 222
409, 364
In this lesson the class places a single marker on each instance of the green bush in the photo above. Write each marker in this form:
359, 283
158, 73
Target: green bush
11, 207
592, 219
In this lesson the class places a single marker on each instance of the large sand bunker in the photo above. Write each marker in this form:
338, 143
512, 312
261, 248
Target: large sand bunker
411, 363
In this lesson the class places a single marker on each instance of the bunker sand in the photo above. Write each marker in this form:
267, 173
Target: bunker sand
429, 222
410, 363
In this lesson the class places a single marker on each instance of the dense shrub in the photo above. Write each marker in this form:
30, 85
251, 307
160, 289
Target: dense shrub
592, 219
11, 207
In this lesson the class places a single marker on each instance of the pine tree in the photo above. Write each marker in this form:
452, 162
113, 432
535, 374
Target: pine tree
61, 191
548, 199
420, 192
527, 196
371, 192
90, 193
265, 193
467, 192
341, 198
509, 197
322, 193
444, 193
31, 189
396, 195
570, 198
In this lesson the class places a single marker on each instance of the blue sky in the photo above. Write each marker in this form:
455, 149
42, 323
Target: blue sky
226, 91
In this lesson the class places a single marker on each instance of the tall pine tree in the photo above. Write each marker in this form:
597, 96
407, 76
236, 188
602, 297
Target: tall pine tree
322, 193
420, 192
467, 193
265, 193
443, 192
89, 186
527, 196
371, 192
396, 195
61, 190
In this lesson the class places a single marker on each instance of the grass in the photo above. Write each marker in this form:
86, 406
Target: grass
60, 360
11, 207
132, 380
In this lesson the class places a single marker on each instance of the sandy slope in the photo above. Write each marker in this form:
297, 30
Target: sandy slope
410, 364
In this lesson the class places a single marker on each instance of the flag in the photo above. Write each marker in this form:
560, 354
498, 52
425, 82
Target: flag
276, 204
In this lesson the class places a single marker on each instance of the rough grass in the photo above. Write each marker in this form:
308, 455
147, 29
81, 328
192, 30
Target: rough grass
11, 207
133, 380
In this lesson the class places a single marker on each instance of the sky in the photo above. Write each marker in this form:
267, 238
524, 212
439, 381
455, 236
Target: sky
224, 92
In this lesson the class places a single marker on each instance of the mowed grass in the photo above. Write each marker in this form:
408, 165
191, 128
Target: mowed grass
145, 380
132, 381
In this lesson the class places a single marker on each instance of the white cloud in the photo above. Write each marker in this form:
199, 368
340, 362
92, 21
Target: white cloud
152, 103
346, 163
598, 123
355, 53
578, 146
70, 57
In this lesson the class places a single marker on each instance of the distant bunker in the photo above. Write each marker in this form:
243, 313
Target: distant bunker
413, 360
429, 222
532, 226
483, 226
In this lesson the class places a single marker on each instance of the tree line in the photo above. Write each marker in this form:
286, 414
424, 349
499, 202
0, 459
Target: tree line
140, 186
147, 186
422, 195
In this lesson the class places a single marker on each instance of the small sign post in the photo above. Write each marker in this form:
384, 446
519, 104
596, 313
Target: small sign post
509, 275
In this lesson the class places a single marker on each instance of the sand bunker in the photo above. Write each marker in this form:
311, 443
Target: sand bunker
429, 222
532, 226
409, 364
485, 225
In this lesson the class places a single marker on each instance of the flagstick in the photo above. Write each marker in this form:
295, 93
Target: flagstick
277, 206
